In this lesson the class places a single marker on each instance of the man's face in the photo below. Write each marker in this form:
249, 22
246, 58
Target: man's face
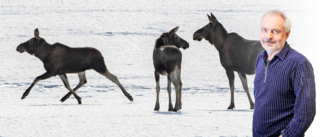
273, 36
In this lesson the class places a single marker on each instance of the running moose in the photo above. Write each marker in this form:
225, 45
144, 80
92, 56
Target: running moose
236, 53
167, 61
59, 59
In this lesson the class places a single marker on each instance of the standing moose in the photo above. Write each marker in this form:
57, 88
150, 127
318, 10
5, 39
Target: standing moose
167, 61
236, 53
59, 59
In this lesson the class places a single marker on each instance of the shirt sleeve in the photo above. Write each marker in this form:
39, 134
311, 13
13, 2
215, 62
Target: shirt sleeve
305, 106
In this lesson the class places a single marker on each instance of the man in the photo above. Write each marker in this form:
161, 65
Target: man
284, 86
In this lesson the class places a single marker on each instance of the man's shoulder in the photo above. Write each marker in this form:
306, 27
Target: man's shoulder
297, 57
263, 53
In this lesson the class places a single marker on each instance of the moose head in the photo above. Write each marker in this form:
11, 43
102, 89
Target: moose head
171, 38
208, 31
31, 46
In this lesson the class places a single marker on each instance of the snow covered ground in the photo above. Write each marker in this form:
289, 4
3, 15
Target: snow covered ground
125, 31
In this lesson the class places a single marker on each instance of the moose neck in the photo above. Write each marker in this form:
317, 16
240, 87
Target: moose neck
219, 37
42, 51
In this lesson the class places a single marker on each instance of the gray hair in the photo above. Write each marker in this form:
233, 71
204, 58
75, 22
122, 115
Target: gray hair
287, 22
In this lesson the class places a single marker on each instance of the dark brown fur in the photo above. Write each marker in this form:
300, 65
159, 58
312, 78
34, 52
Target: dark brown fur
59, 59
236, 53
167, 61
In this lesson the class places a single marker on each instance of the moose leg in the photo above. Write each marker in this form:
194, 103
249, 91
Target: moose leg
230, 75
41, 77
83, 80
66, 84
177, 88
157, 77
180, 84
243, 79
169, 93
115, 80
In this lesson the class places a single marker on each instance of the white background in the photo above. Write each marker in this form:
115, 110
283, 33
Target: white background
125, 32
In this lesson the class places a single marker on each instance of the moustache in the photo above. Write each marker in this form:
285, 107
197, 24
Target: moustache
269, 41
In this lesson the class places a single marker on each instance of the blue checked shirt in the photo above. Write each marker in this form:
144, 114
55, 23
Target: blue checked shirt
284, 91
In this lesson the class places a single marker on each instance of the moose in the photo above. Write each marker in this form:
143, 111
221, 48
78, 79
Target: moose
236, 53
59, 59
167, 61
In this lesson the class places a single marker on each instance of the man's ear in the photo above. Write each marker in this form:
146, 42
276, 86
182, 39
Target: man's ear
287, 34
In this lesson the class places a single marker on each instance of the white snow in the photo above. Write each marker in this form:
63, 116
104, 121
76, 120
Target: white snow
125, 32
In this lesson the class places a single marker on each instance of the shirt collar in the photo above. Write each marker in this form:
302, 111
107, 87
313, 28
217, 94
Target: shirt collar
284, 52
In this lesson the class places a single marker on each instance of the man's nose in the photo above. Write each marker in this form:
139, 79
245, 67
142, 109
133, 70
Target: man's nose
269, 35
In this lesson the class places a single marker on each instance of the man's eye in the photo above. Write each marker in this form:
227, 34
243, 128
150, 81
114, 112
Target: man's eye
276, 31
264, 30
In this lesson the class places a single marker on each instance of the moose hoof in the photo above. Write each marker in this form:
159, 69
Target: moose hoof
231, 107
23, 97
156, 108
79, 101
63, 99
176, 109
170, 107
130, 98
252, 106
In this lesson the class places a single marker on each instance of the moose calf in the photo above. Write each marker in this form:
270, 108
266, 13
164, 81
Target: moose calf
59, 59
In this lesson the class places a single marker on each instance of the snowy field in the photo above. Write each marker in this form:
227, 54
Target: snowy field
125, 32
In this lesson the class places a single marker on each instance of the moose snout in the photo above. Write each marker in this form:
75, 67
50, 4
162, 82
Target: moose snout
186, 45
196, 36
20, 49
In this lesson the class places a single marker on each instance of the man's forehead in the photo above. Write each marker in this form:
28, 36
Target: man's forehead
272, 21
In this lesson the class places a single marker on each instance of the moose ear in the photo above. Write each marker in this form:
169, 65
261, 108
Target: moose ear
160, 42
209, 17
212, 18
36, 33
174, 30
